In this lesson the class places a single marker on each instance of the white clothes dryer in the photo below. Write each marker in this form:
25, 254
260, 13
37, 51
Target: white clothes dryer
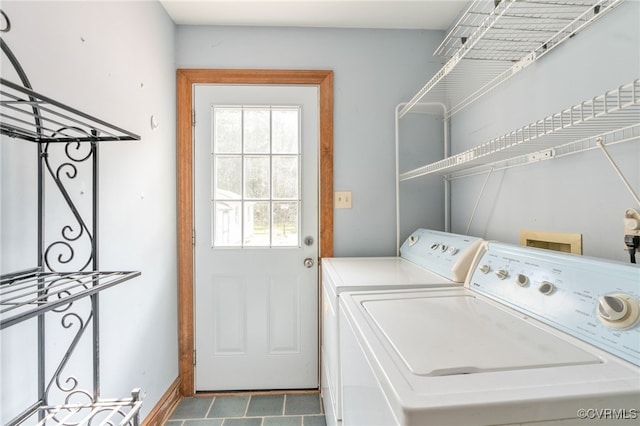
427, 259
534, 336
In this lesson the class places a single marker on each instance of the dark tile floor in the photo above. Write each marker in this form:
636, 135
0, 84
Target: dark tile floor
250, 410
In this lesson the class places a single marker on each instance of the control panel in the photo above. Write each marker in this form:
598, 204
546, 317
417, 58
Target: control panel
595, 300
446, 254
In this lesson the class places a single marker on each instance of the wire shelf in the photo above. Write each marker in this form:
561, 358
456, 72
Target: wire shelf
610, 138
490, 43
28, 115
513, 28
614, 115
121, 411
26, 294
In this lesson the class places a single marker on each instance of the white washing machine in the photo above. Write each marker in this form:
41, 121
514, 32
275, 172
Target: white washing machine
427, 259
533, 337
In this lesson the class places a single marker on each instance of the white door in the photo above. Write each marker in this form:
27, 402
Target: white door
256, 226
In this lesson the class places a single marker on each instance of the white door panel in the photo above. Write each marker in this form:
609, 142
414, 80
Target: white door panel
255, 306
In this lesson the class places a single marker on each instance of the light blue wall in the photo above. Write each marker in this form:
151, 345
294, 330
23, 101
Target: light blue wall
374, 71
579, 193
421, 141
113, 60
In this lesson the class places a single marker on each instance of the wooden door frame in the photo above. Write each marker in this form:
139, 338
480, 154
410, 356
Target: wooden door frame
186, 78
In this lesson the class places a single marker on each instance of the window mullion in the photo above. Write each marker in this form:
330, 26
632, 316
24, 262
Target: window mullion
271, 224
242, 172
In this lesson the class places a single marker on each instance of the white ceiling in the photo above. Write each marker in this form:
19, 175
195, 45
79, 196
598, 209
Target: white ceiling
399, 14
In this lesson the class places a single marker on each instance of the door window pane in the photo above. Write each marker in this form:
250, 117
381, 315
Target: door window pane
285, 131
257, 225
227, 229
228, 177
285, 177
285, 224
227, 132
257, 130
256, 176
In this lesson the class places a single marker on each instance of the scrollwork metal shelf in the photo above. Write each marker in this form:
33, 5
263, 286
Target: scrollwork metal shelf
31, 116
123, 411
31, 293
62, 307
105, 411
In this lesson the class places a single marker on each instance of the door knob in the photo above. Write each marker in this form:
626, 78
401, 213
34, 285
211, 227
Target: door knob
308, 262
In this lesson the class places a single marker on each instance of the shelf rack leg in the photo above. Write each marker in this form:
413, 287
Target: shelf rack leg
41, 284
447, 183
95, 300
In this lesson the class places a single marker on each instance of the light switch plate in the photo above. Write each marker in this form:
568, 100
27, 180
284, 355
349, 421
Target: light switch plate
342, 200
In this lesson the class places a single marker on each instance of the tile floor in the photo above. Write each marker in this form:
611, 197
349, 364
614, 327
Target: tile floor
249, 410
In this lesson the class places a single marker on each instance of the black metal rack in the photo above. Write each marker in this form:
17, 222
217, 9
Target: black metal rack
67, 144
31, 293
34, 117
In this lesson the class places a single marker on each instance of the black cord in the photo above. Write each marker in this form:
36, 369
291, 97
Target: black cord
632, 242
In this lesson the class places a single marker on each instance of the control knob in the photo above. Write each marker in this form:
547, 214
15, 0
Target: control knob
443, 248
434, 246
546, 288
502, 274
484, 269
522, 280
452, 251
618, 310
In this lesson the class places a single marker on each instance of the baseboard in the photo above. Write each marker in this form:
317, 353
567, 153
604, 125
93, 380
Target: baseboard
163, 409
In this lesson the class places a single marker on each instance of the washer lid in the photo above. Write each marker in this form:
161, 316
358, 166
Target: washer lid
354, 273
464, 335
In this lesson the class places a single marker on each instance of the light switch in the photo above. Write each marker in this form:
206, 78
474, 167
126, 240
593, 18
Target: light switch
342, 200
